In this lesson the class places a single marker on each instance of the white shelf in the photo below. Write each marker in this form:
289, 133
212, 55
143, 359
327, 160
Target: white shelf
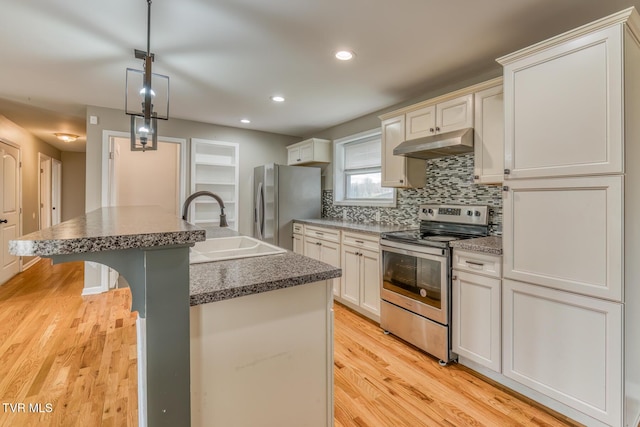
211, 160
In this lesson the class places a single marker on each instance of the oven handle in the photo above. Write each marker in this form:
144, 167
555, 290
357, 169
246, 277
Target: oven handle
413, 253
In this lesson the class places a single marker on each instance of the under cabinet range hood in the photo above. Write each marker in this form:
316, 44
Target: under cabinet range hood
446, 144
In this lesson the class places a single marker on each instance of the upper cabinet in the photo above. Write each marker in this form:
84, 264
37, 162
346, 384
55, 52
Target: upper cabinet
311, 151
488, 138
563, 107
446, 116
399, 171
446, 113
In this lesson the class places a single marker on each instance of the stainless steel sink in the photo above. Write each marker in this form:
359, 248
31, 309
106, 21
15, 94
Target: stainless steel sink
222, 248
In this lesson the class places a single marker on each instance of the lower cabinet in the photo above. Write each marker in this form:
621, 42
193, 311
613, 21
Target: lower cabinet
323, 245
476, 308
566, 346
361, 274
298, 238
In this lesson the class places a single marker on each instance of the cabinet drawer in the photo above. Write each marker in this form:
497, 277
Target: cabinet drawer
322, 233
298, 228
477, 262
361, 241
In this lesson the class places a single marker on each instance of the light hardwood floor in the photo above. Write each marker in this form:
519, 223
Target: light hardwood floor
79, 354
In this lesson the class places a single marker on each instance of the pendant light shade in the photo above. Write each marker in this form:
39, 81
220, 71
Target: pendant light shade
146, 98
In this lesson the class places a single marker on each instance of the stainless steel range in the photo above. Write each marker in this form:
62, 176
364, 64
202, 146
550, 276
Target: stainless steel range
416, 271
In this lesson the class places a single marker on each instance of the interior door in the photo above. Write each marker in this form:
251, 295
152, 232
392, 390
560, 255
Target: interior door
56, 191
45, 191
9, 209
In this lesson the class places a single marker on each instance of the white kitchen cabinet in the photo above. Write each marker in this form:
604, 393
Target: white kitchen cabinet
565, 233
399, 171
476, 308
488, 138
361, 274
566, 346
563, 107
298, 238
311, 151
447, 116
324, 245
215, 168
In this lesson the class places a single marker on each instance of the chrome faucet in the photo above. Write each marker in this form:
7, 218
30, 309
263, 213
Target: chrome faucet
185, 207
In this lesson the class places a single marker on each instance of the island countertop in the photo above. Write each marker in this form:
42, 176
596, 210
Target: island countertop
221, 280
105, 229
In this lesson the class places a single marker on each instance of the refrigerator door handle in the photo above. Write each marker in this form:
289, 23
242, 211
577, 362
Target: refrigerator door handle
259, 207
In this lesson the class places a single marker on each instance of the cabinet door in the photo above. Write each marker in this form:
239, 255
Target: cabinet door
298, 244
393, 167
293, 155
370, 281
306, 152
565, 233
420, 123
312, 247
330, 253
454, 114
351, 274
489, 136
476, 311
563, 108
566, 346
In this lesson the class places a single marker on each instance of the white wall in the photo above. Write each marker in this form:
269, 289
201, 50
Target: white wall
256, 148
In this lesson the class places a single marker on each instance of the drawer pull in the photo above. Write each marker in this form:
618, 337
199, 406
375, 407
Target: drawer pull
319, 233
479, 264
359, 241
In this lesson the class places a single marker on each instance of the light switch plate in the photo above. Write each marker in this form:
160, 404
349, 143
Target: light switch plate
93, 120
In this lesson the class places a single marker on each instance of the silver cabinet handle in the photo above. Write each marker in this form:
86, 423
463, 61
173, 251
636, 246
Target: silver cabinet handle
480, 264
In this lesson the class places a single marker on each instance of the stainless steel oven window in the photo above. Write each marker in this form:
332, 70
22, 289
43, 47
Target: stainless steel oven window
415, 277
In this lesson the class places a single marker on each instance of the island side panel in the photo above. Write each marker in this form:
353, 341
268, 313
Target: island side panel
264, 359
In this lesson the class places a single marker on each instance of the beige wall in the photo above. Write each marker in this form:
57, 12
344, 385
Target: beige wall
256, 148
30, 146
73, 184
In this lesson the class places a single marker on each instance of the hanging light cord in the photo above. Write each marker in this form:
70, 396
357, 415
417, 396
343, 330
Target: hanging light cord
149, 27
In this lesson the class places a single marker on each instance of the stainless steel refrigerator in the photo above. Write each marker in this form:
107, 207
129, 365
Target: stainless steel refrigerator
281, 194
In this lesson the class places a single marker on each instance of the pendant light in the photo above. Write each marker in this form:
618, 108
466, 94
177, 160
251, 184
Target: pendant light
146, 98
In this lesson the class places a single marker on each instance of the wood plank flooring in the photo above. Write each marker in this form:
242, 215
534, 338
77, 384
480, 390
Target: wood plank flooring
79, 355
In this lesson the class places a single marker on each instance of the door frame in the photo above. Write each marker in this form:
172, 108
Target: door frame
107, 165
20, 222
56, 191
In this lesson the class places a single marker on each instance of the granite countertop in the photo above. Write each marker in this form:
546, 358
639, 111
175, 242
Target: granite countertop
221, 280
108, 229
359, 227
489, 244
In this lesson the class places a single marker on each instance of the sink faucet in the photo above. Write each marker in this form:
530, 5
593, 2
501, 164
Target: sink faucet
185, 207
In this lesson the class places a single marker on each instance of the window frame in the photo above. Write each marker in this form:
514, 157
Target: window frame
339, 173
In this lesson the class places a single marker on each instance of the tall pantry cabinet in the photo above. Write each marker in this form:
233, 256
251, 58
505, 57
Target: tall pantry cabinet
571, 234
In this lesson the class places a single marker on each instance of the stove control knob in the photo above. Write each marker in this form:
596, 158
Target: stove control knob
469, 213
477, 213
430, 211
424, 210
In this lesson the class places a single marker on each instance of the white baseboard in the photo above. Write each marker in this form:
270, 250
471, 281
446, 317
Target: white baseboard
93, 290
30, 263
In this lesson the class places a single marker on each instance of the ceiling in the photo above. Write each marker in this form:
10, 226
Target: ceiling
225, 58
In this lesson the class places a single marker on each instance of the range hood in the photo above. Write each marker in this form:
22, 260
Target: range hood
441, 145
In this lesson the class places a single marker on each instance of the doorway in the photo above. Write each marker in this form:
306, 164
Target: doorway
9, 208
50, 191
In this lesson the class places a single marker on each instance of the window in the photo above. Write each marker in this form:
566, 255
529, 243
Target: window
357, 171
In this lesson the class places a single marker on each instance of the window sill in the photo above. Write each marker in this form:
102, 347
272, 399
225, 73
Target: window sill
366, 203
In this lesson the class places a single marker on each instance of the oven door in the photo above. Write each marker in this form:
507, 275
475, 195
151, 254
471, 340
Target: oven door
416, 281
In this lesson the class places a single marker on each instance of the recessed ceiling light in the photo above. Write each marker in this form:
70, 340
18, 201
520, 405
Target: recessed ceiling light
245, 121
277, 98
344, 55
66, 137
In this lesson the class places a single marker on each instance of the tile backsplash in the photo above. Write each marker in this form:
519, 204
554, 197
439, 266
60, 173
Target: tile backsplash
449, 180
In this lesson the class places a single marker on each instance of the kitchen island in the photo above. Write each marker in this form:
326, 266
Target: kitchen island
151, 250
